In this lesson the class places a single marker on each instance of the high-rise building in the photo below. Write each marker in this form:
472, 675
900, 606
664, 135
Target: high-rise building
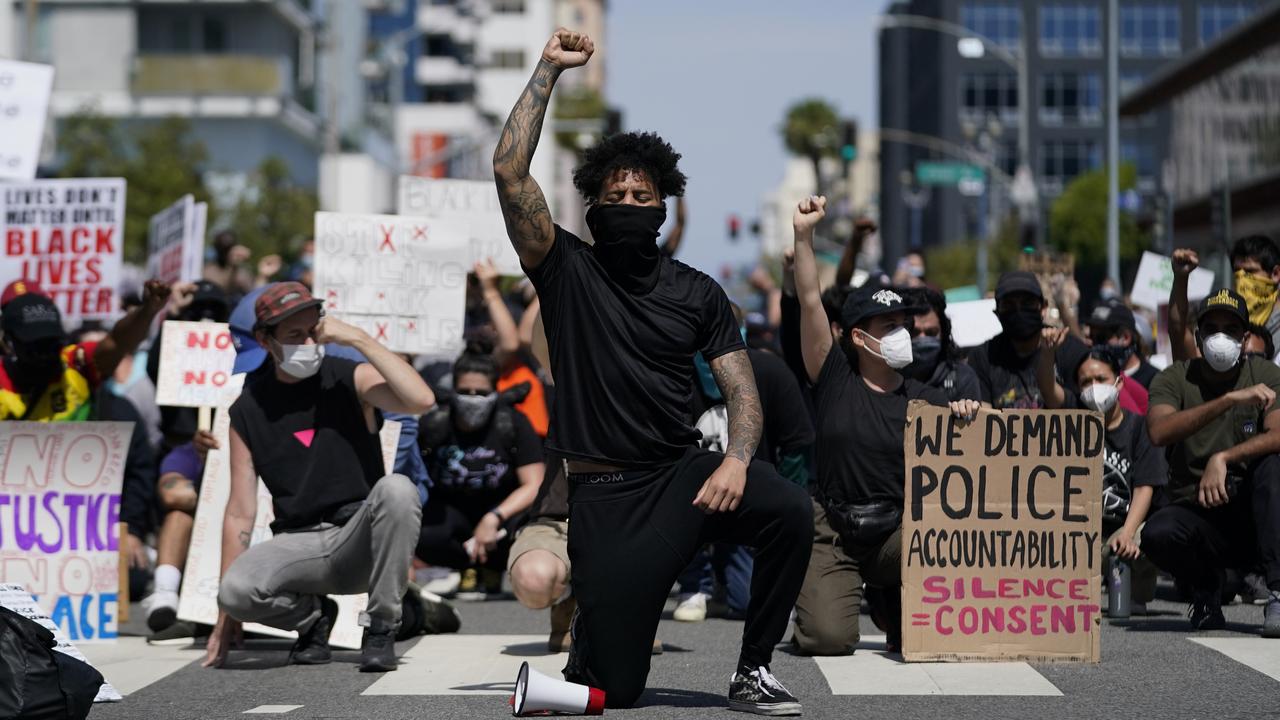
943, 100
254, 78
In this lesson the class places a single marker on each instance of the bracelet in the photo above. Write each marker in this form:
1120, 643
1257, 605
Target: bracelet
498, 514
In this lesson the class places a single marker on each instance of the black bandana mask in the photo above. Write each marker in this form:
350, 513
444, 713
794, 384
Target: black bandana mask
627, 242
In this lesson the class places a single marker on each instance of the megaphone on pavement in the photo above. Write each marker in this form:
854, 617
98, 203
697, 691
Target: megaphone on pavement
536, 692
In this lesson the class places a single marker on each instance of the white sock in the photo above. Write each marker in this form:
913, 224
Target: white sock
168, 579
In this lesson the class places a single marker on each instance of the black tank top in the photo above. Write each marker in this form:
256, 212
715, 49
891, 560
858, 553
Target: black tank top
309, 442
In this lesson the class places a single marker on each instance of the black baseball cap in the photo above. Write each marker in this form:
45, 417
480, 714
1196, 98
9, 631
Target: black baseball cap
1018, 281
30, 318
1113, 315
871, 301
1225, 299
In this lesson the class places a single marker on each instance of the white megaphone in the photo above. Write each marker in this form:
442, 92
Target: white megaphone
536, 692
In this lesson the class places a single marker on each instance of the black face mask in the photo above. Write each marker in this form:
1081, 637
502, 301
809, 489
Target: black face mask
925, 353
33, 367
1021, 324
627, 243
1120, 354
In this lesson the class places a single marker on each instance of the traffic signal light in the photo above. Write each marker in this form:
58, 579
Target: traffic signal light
848, 142
735, 225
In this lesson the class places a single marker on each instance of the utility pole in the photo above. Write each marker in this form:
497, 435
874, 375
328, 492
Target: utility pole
1113, 142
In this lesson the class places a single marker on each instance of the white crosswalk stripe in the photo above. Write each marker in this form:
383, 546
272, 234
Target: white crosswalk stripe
271, 710
467, 665
872, 671
130, 664
1256, 653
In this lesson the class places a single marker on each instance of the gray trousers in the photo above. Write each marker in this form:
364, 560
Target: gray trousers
278, 582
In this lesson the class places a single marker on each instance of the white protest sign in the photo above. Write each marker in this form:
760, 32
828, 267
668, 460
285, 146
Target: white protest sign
175, 242
196, 359
68, 236
24, 102
16, 598
1155, 280
402, 280
198, 601
59, 515
973, 322
471, 202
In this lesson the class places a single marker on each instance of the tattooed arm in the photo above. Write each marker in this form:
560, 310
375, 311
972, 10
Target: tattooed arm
242, 505
723, 490
737, 383
524, 208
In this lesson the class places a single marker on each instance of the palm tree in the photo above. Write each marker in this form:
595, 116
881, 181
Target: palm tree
811, 130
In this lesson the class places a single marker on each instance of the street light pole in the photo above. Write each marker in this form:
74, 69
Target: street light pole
1113, 142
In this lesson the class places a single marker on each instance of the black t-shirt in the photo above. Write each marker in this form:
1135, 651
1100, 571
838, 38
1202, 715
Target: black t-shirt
475, 471
1145, 373
1009, 381
623, 363
787, 428
309, 441
1130, 461
962, 379
861, 433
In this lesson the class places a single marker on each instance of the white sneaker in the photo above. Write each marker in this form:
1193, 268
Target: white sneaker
442, 581
161, 608
691, 608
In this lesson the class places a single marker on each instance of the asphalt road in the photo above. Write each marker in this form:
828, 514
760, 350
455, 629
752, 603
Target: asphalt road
1151, 667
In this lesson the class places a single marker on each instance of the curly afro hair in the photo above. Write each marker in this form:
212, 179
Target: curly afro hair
643, 152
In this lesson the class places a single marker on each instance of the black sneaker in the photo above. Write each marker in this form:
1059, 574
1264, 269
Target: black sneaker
760, 692
1206, 613
312, 646
378, 648
1271, 616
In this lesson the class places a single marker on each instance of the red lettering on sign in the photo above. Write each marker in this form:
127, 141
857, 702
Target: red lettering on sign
382, 331
419, 233
386, 238
198, 340
104, 239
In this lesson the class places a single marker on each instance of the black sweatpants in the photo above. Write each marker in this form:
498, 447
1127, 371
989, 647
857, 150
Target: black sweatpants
445, 531
632, 533
1195, 543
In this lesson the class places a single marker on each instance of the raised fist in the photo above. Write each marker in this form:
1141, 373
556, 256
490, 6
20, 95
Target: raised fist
1184, 261
809, 213
568, 49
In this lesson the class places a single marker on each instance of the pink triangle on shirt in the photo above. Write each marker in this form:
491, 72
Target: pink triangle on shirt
305, 436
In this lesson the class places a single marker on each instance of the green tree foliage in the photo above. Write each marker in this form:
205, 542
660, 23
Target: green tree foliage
1078, 219
956, 264
274, 215
810, 130
160, 161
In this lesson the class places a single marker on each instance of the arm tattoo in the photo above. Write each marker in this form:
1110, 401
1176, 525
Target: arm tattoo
245, 537
737, 383
523, 206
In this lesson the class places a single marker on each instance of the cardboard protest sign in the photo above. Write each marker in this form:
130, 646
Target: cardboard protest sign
24, 103
1154, 281
973, 322
175, 242
16, 598
474, 203
67, 235
198, 600
1002, 535
196, 359
59, 509
402, 280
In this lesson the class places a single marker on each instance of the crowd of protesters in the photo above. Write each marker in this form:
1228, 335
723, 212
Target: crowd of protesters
480, 496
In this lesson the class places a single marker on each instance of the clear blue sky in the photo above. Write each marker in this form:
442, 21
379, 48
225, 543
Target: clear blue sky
715, 77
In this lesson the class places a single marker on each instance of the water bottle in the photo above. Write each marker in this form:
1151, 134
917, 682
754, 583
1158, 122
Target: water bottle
1119, 587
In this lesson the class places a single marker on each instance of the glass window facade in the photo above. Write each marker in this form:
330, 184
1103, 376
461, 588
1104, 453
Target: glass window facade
1070, 98
1000, 22
1218, 17
1070, 29
1148, 30
989, 93
1062, 160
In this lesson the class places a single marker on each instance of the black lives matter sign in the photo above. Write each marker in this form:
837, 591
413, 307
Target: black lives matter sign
1002, 535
